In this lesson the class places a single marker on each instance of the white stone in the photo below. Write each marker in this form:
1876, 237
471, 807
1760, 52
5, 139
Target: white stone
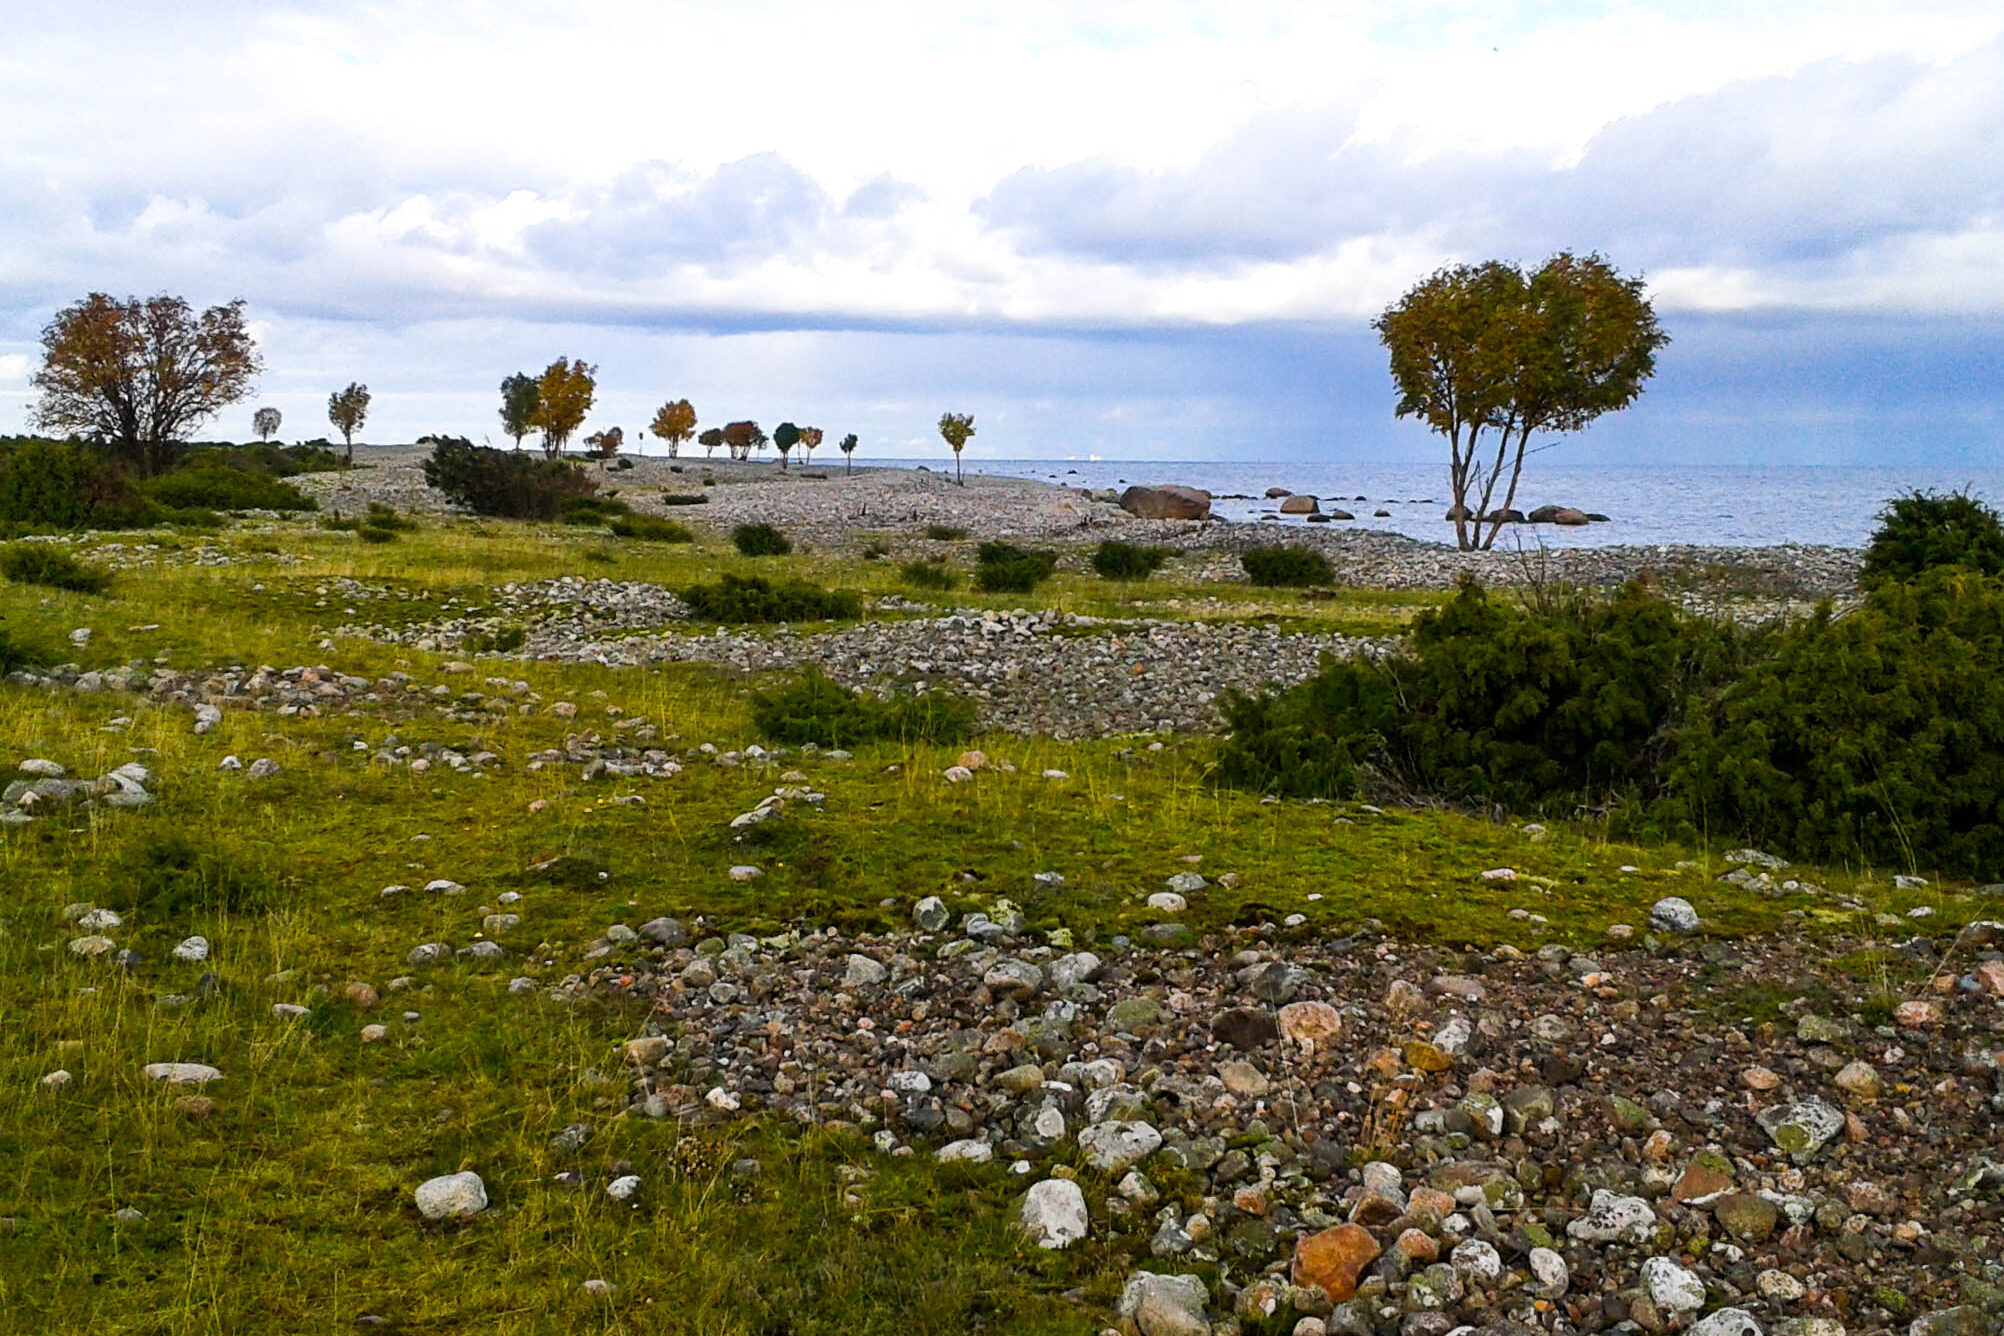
97, 920
1551, 1272
1779, 1287
746, 872
974, 1152
1727, 1322
722, 1100
193, 950
1049, 1124
910, 1082
182, 1073
1054, 1213
1673, 1287
1186, 883
1673, 913
1117, 1145
864, 972
1613, 1218
623, 1187
451, 1196
57, 1079
1473, 1257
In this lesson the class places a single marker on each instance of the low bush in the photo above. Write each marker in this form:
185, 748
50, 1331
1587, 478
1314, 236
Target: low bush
1569, 703
928, 574
1127, 561
683, 499
57, 485
499, 640
760, 540
209, 482
1873, 737
591, 511
51, 568
507, 484
1923, 530
1003, 568
736, 598
386, 517
944, 533
369, 533
875, 551
651, 529
1285, 566
171, 879
814, 710
16, 654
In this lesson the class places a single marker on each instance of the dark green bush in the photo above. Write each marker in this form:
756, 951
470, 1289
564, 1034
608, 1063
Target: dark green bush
751, 599
651, 529
1127, 561
16, 653
1004, 568
1922, 530
369, 533
52, 568
1875, 737
500, 640
683, 499
47, 485
1568, 703
504, 483
208, 482
928, 575
1285, 566
171, 879
386, 517
816, 710
944, 533
760, 540
591, 511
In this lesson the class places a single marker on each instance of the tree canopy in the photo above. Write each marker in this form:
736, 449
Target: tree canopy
521, 396
140, 375
955, 428
675, 423
1490, 348
564, 393
265, 423
784, 437
743, 438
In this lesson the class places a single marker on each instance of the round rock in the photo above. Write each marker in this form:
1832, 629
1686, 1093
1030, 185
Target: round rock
451, 1196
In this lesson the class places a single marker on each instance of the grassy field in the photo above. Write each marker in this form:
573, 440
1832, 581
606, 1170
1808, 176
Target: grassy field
287, 1207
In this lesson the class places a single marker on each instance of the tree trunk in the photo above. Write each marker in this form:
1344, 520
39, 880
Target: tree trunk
958, 476
1510, 498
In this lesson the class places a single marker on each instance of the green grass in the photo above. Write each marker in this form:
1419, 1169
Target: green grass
288, 1208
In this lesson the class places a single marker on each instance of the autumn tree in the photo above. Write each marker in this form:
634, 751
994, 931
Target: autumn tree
848, 448
1490, 349
675, 423
810, 440
605, 444
521, 396
348, 409
265, 422
956, 428
140, 375
743, 438
564, 395
784, 437
710, 440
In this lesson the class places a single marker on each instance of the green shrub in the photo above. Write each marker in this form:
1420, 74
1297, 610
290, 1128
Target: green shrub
1922, 530
1875, 737
369, 533
928, 574
341, 523
683, 499
47, 485
385, 517
875, 551
1126, 561
817, 711
751, 599
500, 640
208, 482
171, 879
1003, 568
651, 529
1285, 566
52, 568
16, 654
591, 510
1572, 702
507, 484
760, 540
944, 533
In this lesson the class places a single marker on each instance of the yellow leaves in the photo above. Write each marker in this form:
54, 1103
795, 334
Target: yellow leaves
566, 389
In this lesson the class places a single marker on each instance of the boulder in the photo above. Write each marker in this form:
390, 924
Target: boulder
452, 1196
1335, 1259
1054, 1213
1276, 493
1299, 505
1167, 503
1157, 1305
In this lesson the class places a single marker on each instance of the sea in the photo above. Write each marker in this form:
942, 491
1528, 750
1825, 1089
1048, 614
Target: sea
1747, 506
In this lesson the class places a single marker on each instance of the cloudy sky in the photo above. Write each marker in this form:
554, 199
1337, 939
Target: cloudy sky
1150, 230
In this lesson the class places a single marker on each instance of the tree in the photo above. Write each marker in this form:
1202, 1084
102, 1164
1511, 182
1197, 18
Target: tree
710, 440
956, 428
265, 422
605, 444
785, 436
1488, 348
140, 375
348, 409
675, 423
521, 396
848, 449
743, 438
564, 395
810, 437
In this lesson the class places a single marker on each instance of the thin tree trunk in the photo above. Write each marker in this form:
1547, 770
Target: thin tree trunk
1516, 472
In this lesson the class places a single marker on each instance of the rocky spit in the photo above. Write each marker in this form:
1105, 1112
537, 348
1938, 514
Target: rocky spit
1359, 1136
825, 506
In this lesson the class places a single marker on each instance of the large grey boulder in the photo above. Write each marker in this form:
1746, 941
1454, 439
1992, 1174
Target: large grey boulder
1167, 503
451, 1196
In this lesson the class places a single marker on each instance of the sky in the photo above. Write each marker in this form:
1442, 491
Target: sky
1134, 230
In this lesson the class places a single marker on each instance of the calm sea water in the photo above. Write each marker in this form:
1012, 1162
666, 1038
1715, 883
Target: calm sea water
1736, 507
